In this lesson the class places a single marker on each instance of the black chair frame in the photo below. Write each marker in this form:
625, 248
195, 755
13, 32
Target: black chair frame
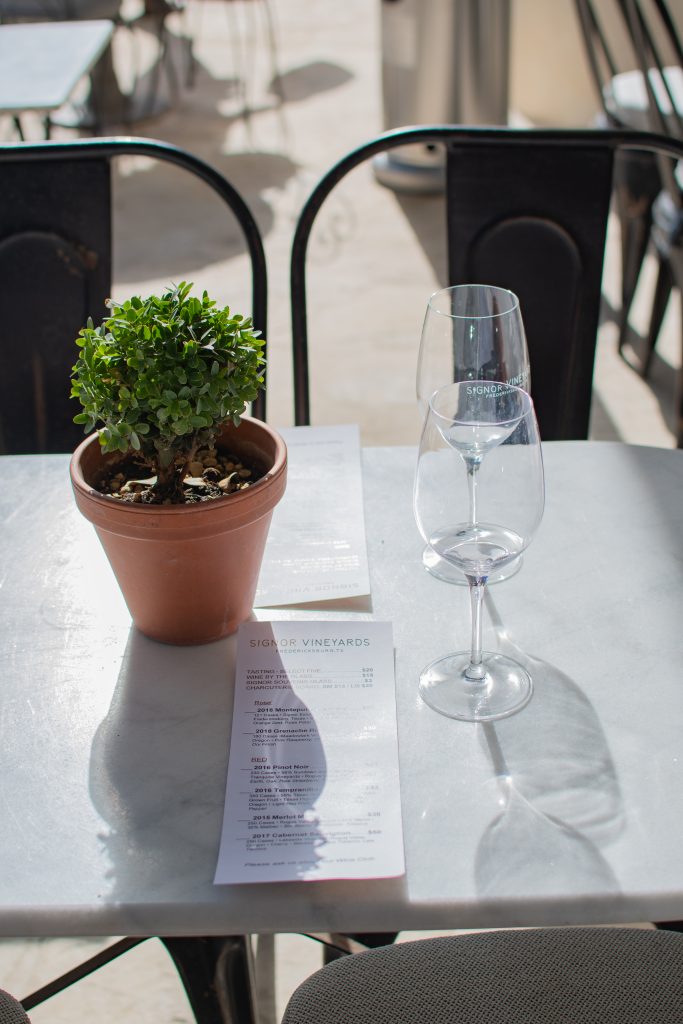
637, 175
561, 374
645, 25
649, 195
57, 206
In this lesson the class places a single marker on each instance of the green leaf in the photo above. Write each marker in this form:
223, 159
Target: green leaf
161, 370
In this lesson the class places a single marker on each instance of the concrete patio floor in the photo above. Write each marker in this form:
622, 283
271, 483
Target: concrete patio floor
273, 139
272, 124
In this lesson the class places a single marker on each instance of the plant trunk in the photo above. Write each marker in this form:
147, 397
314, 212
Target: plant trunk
169, 485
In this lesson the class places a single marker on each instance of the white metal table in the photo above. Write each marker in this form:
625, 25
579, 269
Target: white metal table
114, 749
41, 63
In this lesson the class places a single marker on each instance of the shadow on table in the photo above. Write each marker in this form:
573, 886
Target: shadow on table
559, 791
158, 765
158, 770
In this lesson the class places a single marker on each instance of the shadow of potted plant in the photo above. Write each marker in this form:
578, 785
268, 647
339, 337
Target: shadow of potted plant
179, 484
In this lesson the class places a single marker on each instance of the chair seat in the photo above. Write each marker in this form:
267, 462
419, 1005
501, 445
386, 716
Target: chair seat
11, 1010
536, 976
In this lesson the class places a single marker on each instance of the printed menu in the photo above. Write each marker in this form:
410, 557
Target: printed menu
313, 781
316, 547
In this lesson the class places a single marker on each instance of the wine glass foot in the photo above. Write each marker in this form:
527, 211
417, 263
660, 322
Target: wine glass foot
505, 688
449, 573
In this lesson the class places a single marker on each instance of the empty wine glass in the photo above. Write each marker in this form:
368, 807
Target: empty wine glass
470, 332
478, 522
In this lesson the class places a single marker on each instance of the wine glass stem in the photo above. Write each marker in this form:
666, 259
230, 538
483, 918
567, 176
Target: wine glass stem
472, 470
476, 671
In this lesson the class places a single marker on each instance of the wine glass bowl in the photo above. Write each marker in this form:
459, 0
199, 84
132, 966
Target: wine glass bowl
478, 501
477, 417
471, 332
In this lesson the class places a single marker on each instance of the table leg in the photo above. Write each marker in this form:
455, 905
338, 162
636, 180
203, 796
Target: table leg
217, 974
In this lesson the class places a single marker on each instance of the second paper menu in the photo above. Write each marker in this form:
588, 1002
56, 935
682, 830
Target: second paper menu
313, 784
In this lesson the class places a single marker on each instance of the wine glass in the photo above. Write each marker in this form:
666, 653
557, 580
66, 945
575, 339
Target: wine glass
478, 522
470, 332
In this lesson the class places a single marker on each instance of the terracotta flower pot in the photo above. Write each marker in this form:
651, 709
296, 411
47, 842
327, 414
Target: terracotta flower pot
188, 573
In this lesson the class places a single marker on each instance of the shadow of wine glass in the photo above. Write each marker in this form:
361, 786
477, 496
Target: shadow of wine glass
556, 749
559, 790
526, 851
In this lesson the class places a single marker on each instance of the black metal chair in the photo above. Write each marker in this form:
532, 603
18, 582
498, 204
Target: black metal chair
645, 93
56, 271
535, 976
659, 74
637, 180
526, 210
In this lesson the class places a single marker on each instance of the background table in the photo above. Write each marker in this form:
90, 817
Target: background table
41, 63
114, 749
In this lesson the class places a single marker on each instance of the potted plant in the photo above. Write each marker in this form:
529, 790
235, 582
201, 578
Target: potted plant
179, 484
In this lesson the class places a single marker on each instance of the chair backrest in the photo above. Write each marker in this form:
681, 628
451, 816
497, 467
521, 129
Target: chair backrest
526, 210
56, 271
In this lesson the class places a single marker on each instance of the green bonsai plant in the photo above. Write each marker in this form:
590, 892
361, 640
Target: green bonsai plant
162, 375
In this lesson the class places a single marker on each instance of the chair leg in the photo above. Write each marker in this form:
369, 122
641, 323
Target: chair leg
635, 236
89, 966
660, 299
276, 81
669, 276
636, 187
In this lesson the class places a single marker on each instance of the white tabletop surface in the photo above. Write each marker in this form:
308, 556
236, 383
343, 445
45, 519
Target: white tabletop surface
42, 62
114, 748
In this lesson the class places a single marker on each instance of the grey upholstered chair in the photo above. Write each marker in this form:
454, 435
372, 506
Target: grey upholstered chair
11, 1010
534, 976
